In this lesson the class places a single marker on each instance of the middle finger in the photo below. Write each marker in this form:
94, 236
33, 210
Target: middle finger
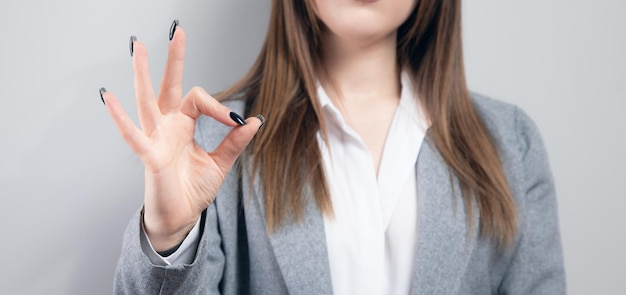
170, 94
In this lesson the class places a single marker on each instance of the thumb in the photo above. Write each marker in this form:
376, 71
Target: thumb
235, 142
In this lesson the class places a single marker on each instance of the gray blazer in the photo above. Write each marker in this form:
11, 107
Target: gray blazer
236, 255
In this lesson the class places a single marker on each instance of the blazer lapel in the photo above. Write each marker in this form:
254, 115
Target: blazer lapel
443, 247
300, 249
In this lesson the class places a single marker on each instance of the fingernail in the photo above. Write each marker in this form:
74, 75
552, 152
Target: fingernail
262, 119
131, 44
238, 119
102, 91
173, 29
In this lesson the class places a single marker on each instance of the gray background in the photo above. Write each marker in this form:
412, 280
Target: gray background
69, 184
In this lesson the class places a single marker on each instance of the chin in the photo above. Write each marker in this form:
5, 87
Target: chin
363, 19
363, 26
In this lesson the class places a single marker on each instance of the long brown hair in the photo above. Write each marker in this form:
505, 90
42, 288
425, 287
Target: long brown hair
282, 86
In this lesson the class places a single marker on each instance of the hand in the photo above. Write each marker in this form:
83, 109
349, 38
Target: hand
181, 178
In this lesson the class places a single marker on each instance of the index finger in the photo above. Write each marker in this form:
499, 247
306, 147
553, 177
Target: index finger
199, 102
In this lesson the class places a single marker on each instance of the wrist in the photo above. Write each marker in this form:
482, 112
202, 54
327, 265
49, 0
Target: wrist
163, 236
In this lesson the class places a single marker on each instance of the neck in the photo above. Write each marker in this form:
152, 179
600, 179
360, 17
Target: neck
360, 71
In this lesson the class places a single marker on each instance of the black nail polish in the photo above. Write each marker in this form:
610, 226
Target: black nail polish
131, 44
238, 119
102, 91
262, 119
175, 24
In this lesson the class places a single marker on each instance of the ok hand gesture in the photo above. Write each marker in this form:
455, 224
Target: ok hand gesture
181, 178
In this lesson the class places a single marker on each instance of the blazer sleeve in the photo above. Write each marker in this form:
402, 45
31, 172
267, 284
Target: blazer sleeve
136, 274
537, 262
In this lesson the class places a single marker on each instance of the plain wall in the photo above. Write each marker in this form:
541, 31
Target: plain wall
69, 184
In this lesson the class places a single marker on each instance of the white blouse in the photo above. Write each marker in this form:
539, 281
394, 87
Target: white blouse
372, 238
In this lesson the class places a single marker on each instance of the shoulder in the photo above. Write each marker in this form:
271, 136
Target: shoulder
209, 133
509, 126
518, 140
520, 146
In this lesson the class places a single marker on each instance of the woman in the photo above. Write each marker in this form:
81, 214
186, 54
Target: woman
377, 172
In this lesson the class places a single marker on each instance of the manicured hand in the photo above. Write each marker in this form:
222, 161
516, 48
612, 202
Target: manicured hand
181, 178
